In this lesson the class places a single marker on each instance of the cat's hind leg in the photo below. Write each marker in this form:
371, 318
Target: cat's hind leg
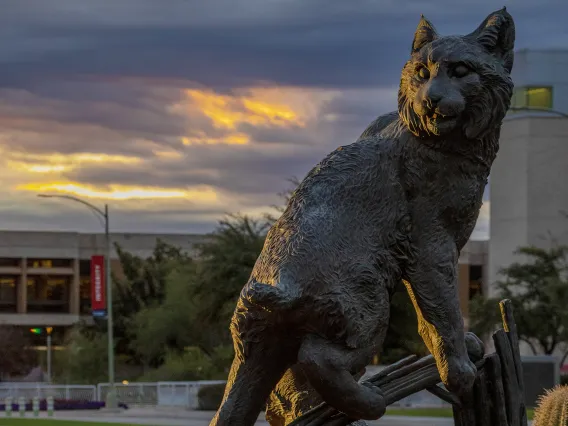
251, 379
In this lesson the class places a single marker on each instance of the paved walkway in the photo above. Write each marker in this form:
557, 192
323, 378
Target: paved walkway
177, 417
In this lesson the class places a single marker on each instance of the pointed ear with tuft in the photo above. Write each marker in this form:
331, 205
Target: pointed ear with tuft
425, 33
497, 35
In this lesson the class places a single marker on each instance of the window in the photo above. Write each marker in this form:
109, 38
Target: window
8, 291
532, 97
475, 281
48, 294
49, 263
85, 267
539, 97
85, 289
10, 262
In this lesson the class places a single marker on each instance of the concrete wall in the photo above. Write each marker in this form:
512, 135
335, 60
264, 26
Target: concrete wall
71, 245
529, 188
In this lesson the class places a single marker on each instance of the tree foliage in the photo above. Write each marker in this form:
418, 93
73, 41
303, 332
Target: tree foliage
200, 297
16, 355
141, 286
538, 289
84, 359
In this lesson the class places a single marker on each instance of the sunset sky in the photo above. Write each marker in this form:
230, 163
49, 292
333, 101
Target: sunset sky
176, 112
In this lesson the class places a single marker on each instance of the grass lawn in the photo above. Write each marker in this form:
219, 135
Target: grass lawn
48, 422
430, 412
413, 412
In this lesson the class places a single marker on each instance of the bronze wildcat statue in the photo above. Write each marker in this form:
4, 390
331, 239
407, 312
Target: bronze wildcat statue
397, 205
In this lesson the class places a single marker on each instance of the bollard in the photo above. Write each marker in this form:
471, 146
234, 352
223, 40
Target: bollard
50, 406
8, 406
22, 406
35, 406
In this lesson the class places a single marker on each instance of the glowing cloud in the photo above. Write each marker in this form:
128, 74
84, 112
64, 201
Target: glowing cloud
167, 155
56, 163
120, 192
226, 112
202, 139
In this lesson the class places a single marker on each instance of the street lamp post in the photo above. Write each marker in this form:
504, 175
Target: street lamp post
111, 400
48, 348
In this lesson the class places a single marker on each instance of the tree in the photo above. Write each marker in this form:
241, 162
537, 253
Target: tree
84, 359
402, 337
225, 264
143, 285
16, 354
199, 300
538, 289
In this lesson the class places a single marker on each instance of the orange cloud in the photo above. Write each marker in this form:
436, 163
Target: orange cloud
56, 163
203, 139
283, 107
120, 192
227, 112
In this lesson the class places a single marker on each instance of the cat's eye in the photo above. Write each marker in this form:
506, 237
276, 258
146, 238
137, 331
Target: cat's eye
460, 71
423, 73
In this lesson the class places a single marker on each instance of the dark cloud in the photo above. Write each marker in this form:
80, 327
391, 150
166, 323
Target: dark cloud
225, 44
242, 171
79, 76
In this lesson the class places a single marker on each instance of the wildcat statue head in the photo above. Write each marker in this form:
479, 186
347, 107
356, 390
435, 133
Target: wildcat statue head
458, 85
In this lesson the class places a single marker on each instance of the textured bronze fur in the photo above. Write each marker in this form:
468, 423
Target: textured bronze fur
397, 205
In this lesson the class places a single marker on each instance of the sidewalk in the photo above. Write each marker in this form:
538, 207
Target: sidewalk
182, 417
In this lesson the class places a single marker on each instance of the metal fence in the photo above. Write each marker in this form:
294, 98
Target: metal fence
143, 393
28, 391
166, 394
169, 394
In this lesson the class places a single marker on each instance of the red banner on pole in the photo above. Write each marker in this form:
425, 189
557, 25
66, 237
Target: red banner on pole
98, 300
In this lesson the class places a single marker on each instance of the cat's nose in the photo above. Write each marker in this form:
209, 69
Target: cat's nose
434, 99
430, 103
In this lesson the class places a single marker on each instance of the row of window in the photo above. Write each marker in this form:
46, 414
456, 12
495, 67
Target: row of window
36, 263
84, 264
44, 293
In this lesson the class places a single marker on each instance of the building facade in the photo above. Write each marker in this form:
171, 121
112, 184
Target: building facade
45, 276
528, 183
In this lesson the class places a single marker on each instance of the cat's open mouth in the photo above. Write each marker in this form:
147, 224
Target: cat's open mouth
438, 123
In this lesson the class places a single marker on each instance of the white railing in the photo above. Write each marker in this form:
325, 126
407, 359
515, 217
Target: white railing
28, 391
131, 394
182, 394
168, 394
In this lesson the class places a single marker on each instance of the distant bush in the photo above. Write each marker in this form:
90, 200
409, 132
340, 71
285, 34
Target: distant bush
209, 397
